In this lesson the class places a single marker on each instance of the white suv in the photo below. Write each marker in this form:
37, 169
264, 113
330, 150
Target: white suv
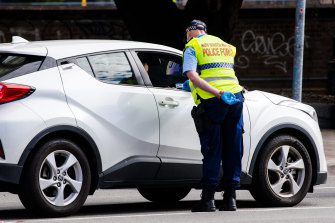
79, 115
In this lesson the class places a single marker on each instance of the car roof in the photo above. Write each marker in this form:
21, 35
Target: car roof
59, 49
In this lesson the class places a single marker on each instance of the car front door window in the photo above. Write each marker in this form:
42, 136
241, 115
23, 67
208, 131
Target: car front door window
164, 70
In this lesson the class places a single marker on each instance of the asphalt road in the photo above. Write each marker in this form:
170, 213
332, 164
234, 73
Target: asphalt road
128, 206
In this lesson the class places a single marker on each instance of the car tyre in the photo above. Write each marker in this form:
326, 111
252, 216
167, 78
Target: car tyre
164, 195
283, 172
57, 179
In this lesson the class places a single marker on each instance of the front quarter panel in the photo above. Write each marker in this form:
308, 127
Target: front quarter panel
265, 117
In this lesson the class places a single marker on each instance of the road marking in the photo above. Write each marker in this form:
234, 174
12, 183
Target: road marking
288, 208
170, 214
321, 188
107, 217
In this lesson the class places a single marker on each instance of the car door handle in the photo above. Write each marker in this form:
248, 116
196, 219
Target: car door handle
67, 66
168, 102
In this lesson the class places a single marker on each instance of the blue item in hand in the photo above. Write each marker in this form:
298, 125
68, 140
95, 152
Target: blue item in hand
186, 86
229, 98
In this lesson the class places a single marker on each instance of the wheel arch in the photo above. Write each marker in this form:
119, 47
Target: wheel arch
299, 133
76, 135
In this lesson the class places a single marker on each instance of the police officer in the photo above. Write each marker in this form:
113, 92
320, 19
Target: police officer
208, 63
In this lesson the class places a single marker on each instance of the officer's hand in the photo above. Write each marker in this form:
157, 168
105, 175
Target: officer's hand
186, 86
229, 98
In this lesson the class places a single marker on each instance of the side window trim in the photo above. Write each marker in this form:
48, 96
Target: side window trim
47, 63
133, 65
89, 63
129, 57
74, 60
144, 74
69, 60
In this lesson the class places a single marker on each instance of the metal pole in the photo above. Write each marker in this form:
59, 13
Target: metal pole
299, 49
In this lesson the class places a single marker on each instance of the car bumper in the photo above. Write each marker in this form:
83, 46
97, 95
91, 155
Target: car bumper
321, 178
10, 173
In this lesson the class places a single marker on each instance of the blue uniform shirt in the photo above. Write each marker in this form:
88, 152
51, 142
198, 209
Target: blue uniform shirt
190, 62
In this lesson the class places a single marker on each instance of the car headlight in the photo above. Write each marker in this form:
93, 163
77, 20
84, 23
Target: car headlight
302, 107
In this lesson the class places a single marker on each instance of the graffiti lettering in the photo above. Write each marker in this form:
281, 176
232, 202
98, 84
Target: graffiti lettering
275, 49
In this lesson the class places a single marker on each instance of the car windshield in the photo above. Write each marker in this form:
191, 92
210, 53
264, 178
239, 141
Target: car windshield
15, 65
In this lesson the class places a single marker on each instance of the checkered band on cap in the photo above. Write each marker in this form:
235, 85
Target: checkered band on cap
216, 65
197, 24
192, 27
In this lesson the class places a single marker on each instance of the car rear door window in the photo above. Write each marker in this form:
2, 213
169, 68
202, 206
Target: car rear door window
113, 68
85, 65
14, 65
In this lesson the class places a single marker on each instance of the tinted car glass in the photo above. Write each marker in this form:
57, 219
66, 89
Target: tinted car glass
85, 65
113, 68
164, 69
13, 65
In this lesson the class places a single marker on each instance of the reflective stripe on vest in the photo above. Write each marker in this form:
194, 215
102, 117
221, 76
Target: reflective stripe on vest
216, 65
209, 79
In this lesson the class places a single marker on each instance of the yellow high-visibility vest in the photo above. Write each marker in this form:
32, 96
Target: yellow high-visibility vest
216, 65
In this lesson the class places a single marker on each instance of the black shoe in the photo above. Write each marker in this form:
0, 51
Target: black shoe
229, 201
206, 204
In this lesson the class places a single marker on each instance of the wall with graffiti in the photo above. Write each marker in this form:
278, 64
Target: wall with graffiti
265, 51
273, 49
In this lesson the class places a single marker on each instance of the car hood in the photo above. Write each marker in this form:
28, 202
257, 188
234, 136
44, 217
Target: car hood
276, 99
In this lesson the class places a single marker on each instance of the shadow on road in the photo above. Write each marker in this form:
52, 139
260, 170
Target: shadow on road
124, 208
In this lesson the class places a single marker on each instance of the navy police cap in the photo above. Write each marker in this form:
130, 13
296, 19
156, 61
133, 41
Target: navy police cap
197, 24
